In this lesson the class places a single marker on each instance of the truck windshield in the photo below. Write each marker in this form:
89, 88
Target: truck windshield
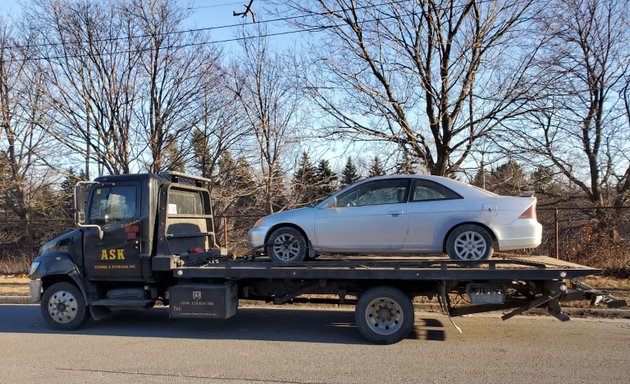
114, 203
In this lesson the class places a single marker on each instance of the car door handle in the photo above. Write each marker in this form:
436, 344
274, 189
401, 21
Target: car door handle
394, 213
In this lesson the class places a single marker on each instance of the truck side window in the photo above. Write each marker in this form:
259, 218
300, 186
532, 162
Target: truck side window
185, 202
115, 203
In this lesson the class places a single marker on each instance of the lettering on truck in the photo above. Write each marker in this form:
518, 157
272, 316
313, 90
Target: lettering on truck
112, 254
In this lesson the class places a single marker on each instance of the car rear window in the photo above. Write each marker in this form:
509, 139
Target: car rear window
425, 190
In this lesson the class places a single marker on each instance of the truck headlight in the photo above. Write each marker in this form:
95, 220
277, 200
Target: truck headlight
33, 268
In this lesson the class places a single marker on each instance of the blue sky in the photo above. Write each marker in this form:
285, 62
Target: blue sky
205, 13
218, 13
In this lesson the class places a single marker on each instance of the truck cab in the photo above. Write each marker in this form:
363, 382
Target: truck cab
131, 230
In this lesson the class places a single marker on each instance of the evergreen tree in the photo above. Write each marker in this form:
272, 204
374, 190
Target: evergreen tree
406, 165
67, 191
507, 179
277, 193
227, 168
174, 156
304, 181
376, 169
237, 182
325, 180
349, 175
545, 184
201, 159
480, 177
234, 196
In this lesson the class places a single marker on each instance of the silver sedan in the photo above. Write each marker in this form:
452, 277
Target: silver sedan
408, 214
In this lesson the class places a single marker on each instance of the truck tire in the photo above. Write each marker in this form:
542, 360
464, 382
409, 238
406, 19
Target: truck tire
384, 315
63, 306
286, 245
469, 242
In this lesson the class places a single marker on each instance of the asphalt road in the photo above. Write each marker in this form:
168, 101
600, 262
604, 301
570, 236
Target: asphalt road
309, 346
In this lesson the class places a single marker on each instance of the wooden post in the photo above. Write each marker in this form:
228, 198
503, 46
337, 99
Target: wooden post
557, 236
225, 232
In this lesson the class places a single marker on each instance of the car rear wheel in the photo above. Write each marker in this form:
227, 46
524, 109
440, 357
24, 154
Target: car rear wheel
286, 245
469, 242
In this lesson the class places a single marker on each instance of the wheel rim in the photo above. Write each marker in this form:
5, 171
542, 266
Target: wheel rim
286, 247
384, 316
63, 307
470, 245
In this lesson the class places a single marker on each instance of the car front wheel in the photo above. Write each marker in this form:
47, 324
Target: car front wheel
469, 242
286, 245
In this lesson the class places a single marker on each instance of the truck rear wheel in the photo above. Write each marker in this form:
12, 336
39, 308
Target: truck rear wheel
384, 315
63, 306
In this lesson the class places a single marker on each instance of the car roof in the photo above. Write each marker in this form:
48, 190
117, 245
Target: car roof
458, 186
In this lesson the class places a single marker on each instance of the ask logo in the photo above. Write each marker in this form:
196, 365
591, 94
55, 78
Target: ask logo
112, 254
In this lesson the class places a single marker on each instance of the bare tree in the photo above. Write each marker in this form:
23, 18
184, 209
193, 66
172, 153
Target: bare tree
579, 128
431, 76
23, 142
268, 95
90, 57
219, 128
173, 68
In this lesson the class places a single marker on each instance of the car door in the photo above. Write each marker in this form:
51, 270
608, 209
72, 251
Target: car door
432, 210
115, 207
369, 217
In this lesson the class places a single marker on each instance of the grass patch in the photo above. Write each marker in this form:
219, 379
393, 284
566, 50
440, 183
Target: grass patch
17, 263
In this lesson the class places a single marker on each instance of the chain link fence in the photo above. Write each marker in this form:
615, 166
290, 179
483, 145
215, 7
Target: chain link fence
598, 237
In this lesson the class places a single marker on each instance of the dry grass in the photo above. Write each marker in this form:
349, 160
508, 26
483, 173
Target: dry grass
15, 264
14, 286
597, 249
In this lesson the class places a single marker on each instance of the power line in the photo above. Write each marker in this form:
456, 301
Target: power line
226, 26
215, 5
209, 42
213, 42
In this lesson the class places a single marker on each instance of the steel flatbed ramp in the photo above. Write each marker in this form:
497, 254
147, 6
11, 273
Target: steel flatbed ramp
411, 269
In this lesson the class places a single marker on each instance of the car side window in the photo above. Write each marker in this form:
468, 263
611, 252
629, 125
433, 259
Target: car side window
116, 203
426, 190
378, 192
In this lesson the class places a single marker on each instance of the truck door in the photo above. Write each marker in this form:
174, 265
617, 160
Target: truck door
116, 208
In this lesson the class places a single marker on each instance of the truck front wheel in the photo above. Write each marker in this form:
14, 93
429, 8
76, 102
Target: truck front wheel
384, 315
63, 306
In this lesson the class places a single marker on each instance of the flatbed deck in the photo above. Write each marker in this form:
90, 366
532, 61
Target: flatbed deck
410, 269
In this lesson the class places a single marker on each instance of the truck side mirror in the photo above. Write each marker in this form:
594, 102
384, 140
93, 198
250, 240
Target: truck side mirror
79, 203
80, 193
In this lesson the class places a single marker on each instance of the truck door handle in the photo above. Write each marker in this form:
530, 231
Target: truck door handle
394, 213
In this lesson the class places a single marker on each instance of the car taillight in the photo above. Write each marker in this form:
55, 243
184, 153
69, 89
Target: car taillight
530, 213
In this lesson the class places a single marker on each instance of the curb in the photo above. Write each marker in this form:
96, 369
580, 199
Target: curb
15, 300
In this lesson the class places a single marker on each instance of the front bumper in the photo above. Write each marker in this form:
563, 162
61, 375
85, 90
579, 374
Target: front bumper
35, 287
256, 237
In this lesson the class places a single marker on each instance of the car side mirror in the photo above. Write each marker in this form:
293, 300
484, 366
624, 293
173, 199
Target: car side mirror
332, 203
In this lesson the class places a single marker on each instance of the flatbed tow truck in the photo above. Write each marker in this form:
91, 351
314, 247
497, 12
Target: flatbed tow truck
149, 238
